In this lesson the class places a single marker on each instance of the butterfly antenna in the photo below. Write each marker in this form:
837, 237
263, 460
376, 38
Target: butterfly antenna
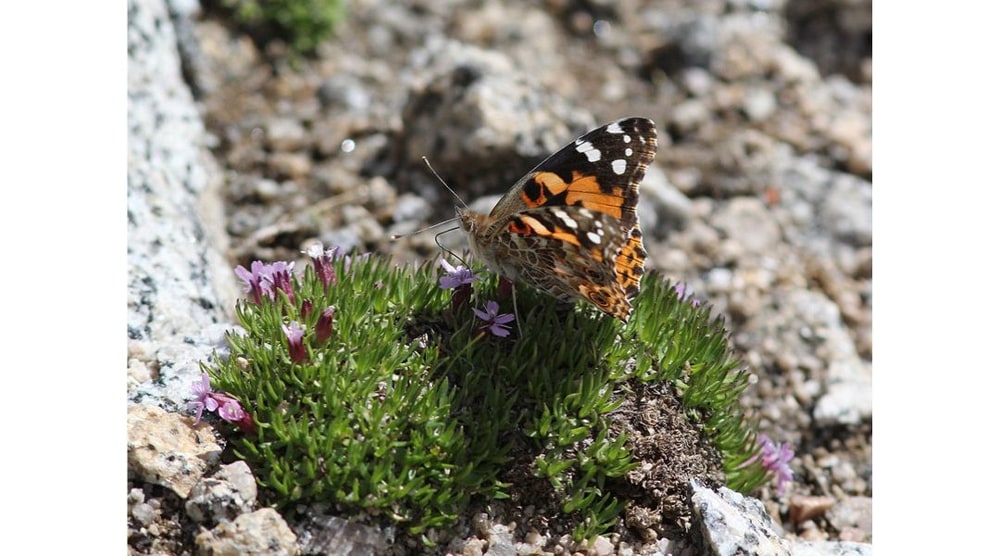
394, 237
432, 226
444, 183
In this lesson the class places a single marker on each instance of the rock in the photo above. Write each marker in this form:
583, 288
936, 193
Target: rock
853, 517
802, 508
231, 491
262, 532
179, 284
165, 449
730, 523
481, 121
828, 548
748, 222
326, 534
285, 134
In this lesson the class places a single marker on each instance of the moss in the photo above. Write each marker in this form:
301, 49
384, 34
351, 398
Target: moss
302, 24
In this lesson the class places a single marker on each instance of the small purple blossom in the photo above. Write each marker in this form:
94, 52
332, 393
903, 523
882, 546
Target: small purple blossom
231, 411
774, 457
459, 279
254, 282
203, 397
228, 407
279, 275
323, 263
685, 294
307, 309
496, 323
324, 326
296, 348
263, 280
456, 276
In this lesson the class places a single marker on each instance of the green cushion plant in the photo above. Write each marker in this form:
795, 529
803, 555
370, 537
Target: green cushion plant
376, 389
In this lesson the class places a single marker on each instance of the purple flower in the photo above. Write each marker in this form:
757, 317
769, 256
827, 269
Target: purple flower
296, 348
262, 280
460, 280
455, 277
774, 457
228, 407
279, 275
231, 411
254, 282
307, 309
684, 294
323, 263
203, 397
496, 323
324, 326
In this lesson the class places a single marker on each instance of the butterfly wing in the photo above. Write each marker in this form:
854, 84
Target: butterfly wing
569, 227
600, 171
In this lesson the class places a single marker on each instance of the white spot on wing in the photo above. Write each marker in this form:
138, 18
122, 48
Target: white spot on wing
618, 166
628, 151
594, 237
566, 219
586, 148
627, 138
615, 128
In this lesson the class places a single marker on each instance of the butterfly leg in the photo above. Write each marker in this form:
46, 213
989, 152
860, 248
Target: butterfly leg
505, 288
517, 318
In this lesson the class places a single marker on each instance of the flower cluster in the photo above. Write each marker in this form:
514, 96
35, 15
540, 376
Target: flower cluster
262, 281
228, 407
460, 280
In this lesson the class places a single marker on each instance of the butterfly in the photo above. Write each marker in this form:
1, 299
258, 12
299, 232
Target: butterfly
569, 228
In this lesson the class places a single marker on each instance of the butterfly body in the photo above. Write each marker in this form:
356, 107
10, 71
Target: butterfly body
569, 228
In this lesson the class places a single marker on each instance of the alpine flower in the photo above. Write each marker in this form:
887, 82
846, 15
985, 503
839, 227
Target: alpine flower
294, 333
495, 323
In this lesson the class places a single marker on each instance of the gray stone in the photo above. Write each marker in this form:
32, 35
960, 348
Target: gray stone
285, 134
180, 287
847, 210
479, 119
663, 207
143, 514
262, 532
854, 513
749, 223
730, 523
326, 534
831, 548
231, 491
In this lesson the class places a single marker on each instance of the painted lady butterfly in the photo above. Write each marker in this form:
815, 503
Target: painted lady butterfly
569, 227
